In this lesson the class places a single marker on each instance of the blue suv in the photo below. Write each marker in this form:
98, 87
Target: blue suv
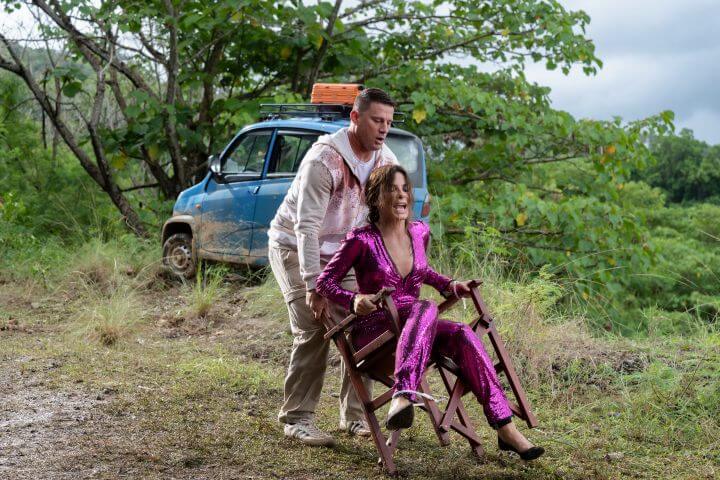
226, 216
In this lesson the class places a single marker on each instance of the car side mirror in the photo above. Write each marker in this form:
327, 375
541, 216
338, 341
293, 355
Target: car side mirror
214, 165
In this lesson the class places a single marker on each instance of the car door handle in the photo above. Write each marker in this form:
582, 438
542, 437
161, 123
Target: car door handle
255, 190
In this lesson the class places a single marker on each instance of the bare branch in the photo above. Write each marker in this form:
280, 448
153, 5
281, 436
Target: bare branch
10, 110
360, 7
149, 47
260, 88
408, 17
323, 48
84, 42
45, 104
560, 158
5, 64
139, 187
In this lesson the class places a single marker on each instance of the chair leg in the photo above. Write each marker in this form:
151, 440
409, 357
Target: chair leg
384, 448
473, 440
486, 324
512, 377
455, 406
434, 413
386, 456
456, 392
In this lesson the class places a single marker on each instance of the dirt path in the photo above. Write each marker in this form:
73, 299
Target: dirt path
57, 426
42, 431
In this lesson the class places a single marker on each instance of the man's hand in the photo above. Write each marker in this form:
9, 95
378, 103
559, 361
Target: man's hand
318, 304
363, 304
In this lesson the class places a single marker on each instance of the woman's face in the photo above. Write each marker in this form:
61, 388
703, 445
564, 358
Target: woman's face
395, 204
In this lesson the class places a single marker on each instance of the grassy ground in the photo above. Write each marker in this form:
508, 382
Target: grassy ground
109, 370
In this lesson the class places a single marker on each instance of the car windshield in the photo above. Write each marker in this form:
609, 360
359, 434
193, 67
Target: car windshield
407, 150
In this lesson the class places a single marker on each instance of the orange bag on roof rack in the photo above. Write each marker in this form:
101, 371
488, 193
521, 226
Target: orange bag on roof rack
335, 93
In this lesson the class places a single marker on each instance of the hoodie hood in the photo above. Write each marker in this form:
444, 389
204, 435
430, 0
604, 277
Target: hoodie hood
341, 143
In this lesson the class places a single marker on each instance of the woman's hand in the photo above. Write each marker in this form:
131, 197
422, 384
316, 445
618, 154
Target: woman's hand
460, 289
363, 304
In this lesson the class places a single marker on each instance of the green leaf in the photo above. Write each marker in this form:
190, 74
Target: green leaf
71, 89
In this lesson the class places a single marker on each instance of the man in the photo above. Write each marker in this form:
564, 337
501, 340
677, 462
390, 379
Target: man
325, 201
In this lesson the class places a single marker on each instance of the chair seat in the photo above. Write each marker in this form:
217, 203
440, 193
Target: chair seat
447, 364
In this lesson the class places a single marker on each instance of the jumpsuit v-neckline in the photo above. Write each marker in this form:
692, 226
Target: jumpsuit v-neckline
387, 253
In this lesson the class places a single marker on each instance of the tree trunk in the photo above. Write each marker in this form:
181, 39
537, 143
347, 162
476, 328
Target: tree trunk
97, 171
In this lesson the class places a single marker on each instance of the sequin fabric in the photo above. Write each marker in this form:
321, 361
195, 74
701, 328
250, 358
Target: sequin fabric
423, 335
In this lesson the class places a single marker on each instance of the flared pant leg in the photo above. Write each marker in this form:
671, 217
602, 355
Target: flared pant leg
459, 342
415, 344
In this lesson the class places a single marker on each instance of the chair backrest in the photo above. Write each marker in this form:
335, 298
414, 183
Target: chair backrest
374, 355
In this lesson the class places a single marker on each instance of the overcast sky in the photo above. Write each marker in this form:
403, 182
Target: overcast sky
657, 55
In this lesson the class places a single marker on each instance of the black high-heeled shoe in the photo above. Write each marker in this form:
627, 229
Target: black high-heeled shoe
530, 454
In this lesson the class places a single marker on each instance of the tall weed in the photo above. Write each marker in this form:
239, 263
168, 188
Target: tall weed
206, 290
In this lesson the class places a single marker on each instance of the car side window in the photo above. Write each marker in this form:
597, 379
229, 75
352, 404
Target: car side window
249, 153
289, 150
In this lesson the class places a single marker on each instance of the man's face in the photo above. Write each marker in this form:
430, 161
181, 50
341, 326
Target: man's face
372, 125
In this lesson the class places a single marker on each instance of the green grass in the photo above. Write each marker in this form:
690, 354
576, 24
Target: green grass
205, 291
203, 403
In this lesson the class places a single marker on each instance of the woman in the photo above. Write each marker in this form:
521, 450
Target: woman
390, 252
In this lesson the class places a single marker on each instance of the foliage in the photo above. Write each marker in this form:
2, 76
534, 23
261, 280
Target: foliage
535, 188
46, 200
184, 77
684, 275
686, 168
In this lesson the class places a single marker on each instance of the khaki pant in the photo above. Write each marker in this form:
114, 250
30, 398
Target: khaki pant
308, 360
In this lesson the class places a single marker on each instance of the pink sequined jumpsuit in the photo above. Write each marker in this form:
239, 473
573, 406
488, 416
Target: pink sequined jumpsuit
423, 334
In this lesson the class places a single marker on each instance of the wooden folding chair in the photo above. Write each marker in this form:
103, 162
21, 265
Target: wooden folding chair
376, 360
482, 325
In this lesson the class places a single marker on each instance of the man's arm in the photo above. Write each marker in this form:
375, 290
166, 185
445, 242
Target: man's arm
314, 193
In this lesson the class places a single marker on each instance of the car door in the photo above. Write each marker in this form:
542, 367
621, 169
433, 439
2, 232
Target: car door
289, 148
229, 204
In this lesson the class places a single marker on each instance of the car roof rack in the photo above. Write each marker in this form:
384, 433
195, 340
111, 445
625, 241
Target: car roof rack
326, 111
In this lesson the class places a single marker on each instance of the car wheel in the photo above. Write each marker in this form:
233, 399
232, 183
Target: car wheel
178, 255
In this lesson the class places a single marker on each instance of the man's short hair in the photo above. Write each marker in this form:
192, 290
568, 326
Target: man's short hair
370, 95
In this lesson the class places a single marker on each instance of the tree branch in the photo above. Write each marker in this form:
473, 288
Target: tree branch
323, 48
360, 7
166, 184
139, 187
149, 47
170, 95
19, 69
5, 64
62, 20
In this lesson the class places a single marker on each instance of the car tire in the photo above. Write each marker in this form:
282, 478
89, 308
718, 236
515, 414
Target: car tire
178, 255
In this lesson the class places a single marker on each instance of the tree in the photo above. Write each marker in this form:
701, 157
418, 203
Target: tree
171, 80
686, 168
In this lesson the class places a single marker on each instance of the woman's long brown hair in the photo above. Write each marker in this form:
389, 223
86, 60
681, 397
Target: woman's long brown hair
379, 185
